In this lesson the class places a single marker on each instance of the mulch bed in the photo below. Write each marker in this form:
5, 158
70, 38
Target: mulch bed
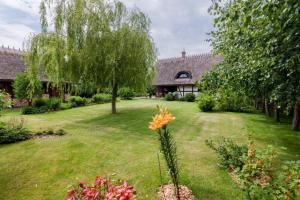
167, 192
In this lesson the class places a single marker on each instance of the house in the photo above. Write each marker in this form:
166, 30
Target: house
11, 64
180, 74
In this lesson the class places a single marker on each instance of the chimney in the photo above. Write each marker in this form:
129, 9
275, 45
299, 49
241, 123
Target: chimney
183, 53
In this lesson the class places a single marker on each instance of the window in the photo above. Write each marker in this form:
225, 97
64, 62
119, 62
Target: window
183, 74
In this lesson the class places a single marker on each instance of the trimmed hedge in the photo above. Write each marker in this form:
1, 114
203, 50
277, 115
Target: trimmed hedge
77, 101
102, 98
206, 102
169, 97
126, 93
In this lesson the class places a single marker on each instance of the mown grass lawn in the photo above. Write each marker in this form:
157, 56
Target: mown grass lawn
121, 146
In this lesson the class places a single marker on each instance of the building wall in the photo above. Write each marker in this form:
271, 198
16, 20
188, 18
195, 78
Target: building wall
183, 90
180, 90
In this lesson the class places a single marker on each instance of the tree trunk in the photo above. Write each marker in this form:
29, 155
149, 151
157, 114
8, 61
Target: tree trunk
296, 116
267, 109
276, 113
114, 99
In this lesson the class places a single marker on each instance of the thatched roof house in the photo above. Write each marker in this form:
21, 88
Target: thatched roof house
179, 74
11, 64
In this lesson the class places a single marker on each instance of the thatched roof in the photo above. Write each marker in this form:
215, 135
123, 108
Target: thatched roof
11, 63
196, 65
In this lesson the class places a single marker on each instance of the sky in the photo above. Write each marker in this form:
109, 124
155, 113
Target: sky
177, 25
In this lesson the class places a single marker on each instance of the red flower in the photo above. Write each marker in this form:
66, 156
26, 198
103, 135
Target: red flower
70, 195
90, 193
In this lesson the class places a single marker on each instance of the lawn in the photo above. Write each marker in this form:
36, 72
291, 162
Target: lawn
122, 147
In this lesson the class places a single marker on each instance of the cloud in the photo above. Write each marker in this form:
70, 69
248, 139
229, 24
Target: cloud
176, 24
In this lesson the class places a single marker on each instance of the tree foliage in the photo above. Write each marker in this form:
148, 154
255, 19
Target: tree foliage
27, 87
260, 43
94, 41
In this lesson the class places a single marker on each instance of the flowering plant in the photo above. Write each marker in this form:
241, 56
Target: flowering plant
101, 190
159, 123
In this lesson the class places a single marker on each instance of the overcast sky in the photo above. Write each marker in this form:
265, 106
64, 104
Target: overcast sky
176, 24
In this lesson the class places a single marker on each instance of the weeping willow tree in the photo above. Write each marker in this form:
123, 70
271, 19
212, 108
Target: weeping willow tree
92, 41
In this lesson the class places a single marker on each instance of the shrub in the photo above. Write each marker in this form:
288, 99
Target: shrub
126, 93
205, 102
232, 101
40, 102
5, 100
29, 110
13, 132
169, 97
54, 103
101, 189
59, 132
34, 110
102, 98
230, 154
65, 106
190, 97
76, 101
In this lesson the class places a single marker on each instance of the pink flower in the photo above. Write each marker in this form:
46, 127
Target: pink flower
70, 195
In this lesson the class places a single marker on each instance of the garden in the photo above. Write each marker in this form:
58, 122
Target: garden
122, 147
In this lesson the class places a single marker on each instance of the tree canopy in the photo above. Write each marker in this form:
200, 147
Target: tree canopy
26, 87
94, 41
260, 43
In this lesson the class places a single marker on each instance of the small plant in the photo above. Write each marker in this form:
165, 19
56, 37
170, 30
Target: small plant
167, 144
206, 102
40, 102
54, 103
169, 97
126, 93
13, 131
190, 97
102, 189
51, 132
102, 98
65, 106
5, 101
230, 154
76, 101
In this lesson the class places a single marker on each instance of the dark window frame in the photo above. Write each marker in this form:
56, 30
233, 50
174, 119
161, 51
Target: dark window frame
183, 75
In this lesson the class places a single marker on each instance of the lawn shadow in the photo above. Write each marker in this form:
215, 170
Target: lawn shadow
133, 120
280, 135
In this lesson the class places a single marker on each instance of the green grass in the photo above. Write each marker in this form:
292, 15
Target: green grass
121, 146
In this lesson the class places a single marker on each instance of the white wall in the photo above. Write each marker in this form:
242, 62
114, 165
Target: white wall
183, 90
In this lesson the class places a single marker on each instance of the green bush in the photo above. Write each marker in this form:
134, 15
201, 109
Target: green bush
34, 110
230, 154
59, 132
76, 101
102, 98
206, 102
65, 106
169, 97
54, 103
227, 100
190, 97
126, 93
13, 133
40, 102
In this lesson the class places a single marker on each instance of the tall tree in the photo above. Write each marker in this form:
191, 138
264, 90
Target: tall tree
260, 42
94, 41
